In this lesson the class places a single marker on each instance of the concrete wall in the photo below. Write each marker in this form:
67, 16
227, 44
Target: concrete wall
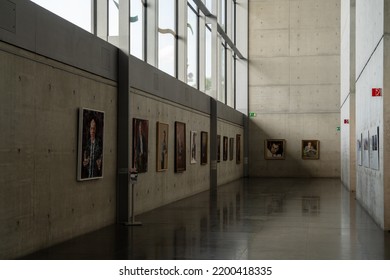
41, 201
347, 95
50, 68
230, 170
294, 84
370, 73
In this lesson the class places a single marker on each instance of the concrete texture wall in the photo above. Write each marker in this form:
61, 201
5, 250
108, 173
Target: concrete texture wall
162, 98
154, 188
347, 95
230, 170
41, 201
370, 73
294, 84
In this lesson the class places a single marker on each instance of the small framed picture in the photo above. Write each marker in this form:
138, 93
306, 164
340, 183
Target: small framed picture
310, 149
225, 148
274, 149
180, 147
238, 148
90, 145
194, 148
140, 145
203, 148
162, 146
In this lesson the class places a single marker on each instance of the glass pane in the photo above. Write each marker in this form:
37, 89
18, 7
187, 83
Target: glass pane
167, 42
208, 81
229, 78
167, 14
77, 12
166, 53
113, 18
208, 4
222, 67
233, 23
192, 48
136, 29
221, 13
193, 5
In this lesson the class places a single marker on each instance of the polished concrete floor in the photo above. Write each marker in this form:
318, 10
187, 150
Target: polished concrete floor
248, 219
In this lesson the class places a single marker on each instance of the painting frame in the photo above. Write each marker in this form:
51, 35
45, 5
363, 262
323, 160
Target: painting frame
90, 144
310, 149
274, 149
140, 145
359, 150
204, 147
180, 147
193, 145
162, 147
225, 148
238, 148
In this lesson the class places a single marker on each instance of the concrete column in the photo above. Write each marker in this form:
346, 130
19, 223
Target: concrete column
213, 147
122, 198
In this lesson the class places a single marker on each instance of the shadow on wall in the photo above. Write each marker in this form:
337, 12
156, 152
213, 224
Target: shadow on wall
271, 156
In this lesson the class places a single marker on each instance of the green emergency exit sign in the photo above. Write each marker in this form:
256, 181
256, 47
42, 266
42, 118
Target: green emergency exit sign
252, 114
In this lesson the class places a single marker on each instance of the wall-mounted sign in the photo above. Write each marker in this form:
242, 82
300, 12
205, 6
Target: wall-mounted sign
338, 128
252, 115
346, 121
376, 92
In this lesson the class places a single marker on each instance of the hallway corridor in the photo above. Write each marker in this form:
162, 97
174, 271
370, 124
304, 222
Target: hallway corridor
270, 219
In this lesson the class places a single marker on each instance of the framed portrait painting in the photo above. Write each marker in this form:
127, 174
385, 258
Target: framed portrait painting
225, 148
238, 148
310, 149
274, 149
374, 148
231, 148
140, 145
194, 149
203, 139
180, 147
90, 144
366, 148
359, 149
162, 146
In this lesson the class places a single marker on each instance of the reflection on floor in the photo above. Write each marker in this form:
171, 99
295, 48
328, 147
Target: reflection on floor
248, 219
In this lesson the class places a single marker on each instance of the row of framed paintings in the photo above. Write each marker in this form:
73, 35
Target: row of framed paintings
275, 149
91, 142
140, 146
367, 148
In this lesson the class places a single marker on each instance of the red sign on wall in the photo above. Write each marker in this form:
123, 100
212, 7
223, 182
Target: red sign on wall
346, 121
376, 92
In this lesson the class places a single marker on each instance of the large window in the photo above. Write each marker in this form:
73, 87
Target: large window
167, 36
177, 36
77, 12
192, 45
